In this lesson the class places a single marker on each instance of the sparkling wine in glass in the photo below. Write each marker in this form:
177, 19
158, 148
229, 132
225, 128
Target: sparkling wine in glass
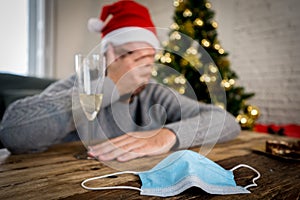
90, 77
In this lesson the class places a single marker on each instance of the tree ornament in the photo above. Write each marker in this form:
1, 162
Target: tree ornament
243, 120
184, 63
223, 63
253, 111
189, 28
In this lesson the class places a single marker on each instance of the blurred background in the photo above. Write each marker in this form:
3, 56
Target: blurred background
40, 38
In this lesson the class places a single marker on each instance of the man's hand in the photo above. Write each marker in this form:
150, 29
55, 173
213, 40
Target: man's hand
130, 66
134, 145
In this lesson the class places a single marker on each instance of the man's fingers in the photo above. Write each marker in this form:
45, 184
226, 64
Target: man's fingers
129, 156
119, 151
113, 148
109, 145
142, 53
111, 155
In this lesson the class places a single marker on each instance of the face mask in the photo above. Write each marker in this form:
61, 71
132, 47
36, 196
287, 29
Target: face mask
180, 171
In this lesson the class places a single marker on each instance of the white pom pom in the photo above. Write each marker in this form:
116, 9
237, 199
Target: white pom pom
95, 25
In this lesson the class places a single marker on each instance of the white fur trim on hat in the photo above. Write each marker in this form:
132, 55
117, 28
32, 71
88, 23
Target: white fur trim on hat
130, 34
95, 25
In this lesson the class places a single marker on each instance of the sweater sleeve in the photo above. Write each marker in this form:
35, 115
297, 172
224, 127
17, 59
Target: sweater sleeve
34, 123
196, 123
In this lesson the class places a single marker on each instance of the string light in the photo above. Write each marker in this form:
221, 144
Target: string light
166, 80
208, 5
213, 68
177, 82
231, 81
174, 26
180, 80
205, 78
198, 22
165, 43
187, 13
166, 58
213, 78
227, 84
177, 2
205, 42
221, 51
181, 90
192, 50
154, 72
175, 36
214, 24
193, 57
217, 46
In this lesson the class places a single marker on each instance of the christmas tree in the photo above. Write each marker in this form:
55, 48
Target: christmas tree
194, 24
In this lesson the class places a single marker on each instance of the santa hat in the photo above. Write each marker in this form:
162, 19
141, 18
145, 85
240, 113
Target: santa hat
124, 21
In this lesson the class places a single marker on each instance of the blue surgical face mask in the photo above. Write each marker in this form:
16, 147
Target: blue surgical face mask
180, 171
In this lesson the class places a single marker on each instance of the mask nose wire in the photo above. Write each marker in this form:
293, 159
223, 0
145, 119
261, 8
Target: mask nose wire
249, 167
109, 187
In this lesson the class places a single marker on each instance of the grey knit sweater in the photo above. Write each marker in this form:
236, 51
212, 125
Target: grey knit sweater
35, 123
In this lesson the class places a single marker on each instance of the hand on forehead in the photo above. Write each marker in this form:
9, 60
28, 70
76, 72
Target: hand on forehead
131, 47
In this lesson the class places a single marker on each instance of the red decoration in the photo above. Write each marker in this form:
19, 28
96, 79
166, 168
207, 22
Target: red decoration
291, 130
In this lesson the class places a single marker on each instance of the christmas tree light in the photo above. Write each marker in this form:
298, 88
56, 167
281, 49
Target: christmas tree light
194, 18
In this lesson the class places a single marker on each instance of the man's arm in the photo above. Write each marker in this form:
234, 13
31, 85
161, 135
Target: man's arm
195, 123
189, 123
34, 123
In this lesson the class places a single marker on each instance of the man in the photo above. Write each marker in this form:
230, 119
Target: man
142, 118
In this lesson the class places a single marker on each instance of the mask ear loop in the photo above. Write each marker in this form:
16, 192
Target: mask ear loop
109, 187
249, 167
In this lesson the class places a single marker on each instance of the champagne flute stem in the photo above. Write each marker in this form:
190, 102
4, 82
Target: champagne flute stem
91, 132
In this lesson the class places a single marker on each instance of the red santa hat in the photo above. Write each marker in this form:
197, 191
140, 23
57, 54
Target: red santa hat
124, 21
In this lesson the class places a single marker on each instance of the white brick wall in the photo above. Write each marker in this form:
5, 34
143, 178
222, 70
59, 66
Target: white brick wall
263, 39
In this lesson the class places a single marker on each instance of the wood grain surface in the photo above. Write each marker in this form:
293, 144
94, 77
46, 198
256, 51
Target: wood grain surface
57, 173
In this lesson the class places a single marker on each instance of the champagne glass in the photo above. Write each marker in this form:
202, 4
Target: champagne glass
90, 78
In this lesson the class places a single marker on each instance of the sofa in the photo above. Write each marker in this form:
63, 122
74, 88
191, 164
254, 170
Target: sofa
14, 87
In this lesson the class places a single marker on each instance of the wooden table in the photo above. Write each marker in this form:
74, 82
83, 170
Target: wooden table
57, 173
